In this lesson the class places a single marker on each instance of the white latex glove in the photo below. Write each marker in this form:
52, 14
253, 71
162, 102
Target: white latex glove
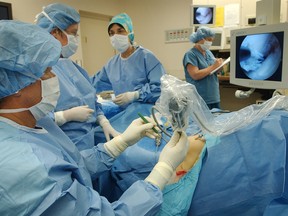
171, 156
107, 127
135, 131
79, 113
126, 98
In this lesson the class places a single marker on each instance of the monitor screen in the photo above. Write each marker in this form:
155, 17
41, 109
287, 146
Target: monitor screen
203, 15
257, 55
219, 39
5, 11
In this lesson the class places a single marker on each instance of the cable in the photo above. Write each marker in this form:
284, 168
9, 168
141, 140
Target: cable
156, 121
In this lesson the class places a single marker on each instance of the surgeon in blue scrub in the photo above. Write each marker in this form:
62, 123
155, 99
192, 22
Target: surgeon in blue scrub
77, 112
134, 73
42, 172
199, 62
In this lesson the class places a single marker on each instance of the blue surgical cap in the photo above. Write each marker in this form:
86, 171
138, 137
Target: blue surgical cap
26, 51
124, 20
62, 15
202, 32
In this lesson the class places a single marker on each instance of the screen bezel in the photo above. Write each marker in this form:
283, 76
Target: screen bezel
192, 18
222, 38
8, 6
263, 84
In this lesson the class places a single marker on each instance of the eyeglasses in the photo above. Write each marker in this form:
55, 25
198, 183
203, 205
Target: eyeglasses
73, 33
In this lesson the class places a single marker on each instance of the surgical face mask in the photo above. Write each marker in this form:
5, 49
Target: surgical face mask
71, 47
50, 94
120, 42
206, 45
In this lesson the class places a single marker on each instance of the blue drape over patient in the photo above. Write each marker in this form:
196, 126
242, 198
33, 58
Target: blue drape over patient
243, 170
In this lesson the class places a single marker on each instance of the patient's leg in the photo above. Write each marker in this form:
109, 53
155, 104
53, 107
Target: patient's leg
196, 145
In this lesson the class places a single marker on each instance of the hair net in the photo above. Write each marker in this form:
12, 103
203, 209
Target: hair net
202, 32
62, 15
26, 51
124, 20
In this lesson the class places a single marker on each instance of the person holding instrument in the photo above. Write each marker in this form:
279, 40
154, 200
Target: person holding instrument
42, 171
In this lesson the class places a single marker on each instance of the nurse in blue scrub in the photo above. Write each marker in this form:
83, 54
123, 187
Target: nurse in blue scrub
199, 62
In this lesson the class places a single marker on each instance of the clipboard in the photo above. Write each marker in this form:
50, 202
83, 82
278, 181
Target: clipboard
223, 63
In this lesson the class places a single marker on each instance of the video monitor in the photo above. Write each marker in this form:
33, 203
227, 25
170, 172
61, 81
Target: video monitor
219, 39
259, 56
5, 11
203, 15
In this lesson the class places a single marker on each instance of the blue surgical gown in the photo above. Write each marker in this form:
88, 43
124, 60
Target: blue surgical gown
208, 87
43, 173
76, 90
139, 72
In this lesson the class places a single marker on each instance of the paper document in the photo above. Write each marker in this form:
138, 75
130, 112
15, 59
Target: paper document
224, 62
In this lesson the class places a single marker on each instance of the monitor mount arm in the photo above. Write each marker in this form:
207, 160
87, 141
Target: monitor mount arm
244, 94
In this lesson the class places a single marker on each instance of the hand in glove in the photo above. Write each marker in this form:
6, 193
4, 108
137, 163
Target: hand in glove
106, 94
171, 156
79, 113
135, 131
126, 98
107, 127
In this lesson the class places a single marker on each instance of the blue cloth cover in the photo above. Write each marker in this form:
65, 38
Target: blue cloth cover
25, 53
177, 197
124, 20
201, 33
244, 173
62, 15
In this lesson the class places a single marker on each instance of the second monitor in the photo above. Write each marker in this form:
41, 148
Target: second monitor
258, 57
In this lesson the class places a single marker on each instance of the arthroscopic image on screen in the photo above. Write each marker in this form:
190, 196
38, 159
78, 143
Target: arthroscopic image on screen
259, 56
203, 15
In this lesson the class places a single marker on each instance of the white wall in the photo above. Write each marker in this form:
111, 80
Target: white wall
150, 18
25, 10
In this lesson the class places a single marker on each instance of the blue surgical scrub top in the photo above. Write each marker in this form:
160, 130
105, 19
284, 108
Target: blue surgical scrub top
43, 173
208, 87
139, 72
76, 90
